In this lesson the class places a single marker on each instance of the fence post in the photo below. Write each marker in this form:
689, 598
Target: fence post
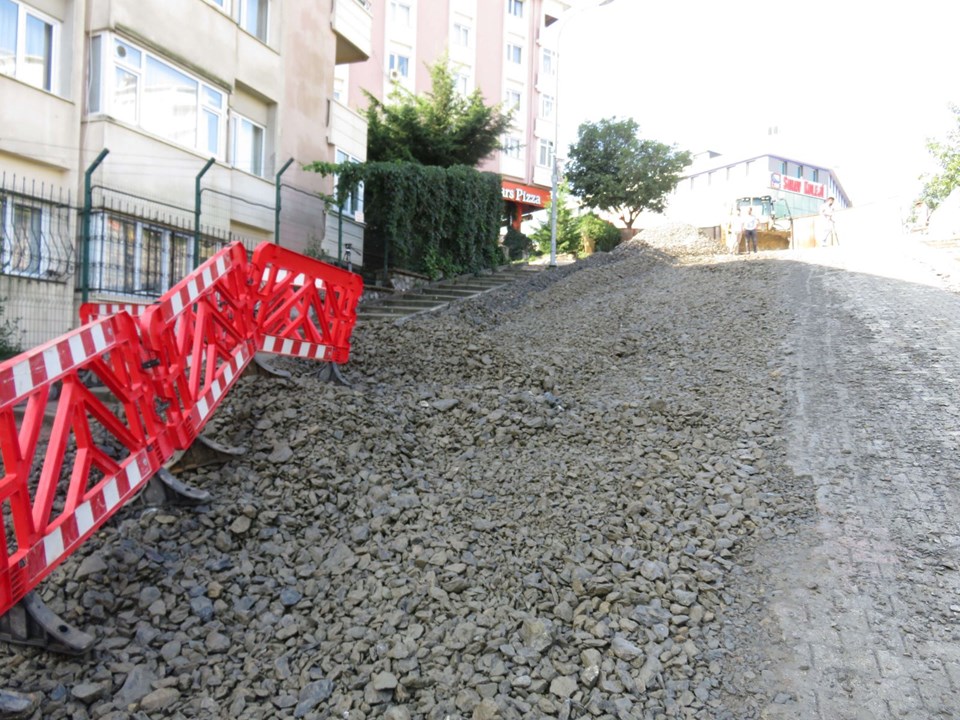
276, 213
196, 214
87, 210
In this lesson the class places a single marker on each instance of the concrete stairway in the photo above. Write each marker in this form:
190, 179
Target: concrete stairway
439, 294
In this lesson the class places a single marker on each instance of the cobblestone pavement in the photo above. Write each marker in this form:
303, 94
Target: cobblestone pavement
856, 610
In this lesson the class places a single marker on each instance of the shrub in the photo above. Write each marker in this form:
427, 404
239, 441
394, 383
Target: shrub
518, 245
9, 335
598, 234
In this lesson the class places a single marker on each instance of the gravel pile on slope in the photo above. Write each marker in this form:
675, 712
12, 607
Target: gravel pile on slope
524, 507
680, 240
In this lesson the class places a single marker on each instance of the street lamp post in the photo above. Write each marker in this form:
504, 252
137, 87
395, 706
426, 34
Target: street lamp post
554, 193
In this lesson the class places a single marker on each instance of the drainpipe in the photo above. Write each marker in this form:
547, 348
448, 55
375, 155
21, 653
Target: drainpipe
87, 209
196, 214
276, 214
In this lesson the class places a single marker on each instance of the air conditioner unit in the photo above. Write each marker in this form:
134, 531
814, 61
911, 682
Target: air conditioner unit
394, 76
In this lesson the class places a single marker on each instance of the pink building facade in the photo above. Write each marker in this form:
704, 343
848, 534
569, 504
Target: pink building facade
504, 48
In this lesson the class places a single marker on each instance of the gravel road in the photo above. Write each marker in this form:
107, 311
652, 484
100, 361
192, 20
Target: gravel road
658, 483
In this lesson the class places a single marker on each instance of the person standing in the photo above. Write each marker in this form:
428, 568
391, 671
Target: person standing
825, 222
733, 232
750, 224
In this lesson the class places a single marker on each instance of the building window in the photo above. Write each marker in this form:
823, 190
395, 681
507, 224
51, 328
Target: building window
515, 7
462, 82
545, 153
549, 62
783, 167
799, 171
399, 66
144, 90
222, 4
24, 228
514, 53
254, 16
248, 145
546, 106
354, 202
512, 100
132, 257
511, 146
815, 175
461, 35
400, 14
27, 42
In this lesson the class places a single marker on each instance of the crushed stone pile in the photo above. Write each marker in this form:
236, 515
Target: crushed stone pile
525, 506
680, 240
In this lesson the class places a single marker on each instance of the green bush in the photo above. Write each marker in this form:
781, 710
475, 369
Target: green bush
9, 335
429, 219
518, 245
568, 231
598, 234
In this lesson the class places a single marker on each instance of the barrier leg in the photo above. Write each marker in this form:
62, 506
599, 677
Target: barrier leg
330, 372
31, 622
165, 488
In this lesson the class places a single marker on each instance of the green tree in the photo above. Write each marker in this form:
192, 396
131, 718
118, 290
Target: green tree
442, 127
568, 227
937, 187
612, 169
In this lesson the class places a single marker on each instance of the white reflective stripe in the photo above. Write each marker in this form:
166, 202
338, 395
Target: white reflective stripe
176, 303
207, 278
53, 545
228, 373
84, 517
22, 379
111, 494
202, 407
217, 390
304, 350
134, 477
192, 290
99, 341
77, 353
51, 362
221, 265
287, 348
269, 343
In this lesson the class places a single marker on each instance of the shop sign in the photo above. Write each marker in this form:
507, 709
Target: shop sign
798, 185
523, 194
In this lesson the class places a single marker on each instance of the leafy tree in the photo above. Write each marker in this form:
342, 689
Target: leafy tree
568, 227
947, 153
441, 127
518, 245
612, 169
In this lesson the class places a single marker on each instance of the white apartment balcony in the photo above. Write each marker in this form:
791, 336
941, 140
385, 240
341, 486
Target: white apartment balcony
347, 130
352, 24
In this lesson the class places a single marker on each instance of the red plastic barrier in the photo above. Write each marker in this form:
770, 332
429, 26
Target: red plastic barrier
201, 336
305, 307
168, 369
94, 311
111, 454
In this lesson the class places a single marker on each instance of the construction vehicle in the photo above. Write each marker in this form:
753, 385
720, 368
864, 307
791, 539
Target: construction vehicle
775, 228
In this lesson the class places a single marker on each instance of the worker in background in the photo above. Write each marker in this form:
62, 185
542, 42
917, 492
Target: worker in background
825, 223
733, 232
750, 223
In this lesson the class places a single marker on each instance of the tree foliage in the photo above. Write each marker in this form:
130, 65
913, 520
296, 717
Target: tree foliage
442, 127
937, 187
434, 220
568, 227
612, 169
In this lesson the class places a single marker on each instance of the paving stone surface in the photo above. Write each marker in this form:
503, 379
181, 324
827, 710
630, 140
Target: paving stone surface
660, 483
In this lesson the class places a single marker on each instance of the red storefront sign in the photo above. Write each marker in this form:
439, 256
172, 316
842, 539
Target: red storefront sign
525, 194
798, 185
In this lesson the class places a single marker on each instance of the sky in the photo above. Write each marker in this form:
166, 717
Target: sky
852, 85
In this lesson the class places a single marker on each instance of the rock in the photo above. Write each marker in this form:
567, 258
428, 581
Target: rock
385, 681
136, 686
311, 695
563, 686
92, 564
217, 642
159, 699
87, 692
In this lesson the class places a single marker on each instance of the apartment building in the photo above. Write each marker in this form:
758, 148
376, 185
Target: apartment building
181, 125
504, 48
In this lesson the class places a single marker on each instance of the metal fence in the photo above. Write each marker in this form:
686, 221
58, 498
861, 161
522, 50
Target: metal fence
115, 245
